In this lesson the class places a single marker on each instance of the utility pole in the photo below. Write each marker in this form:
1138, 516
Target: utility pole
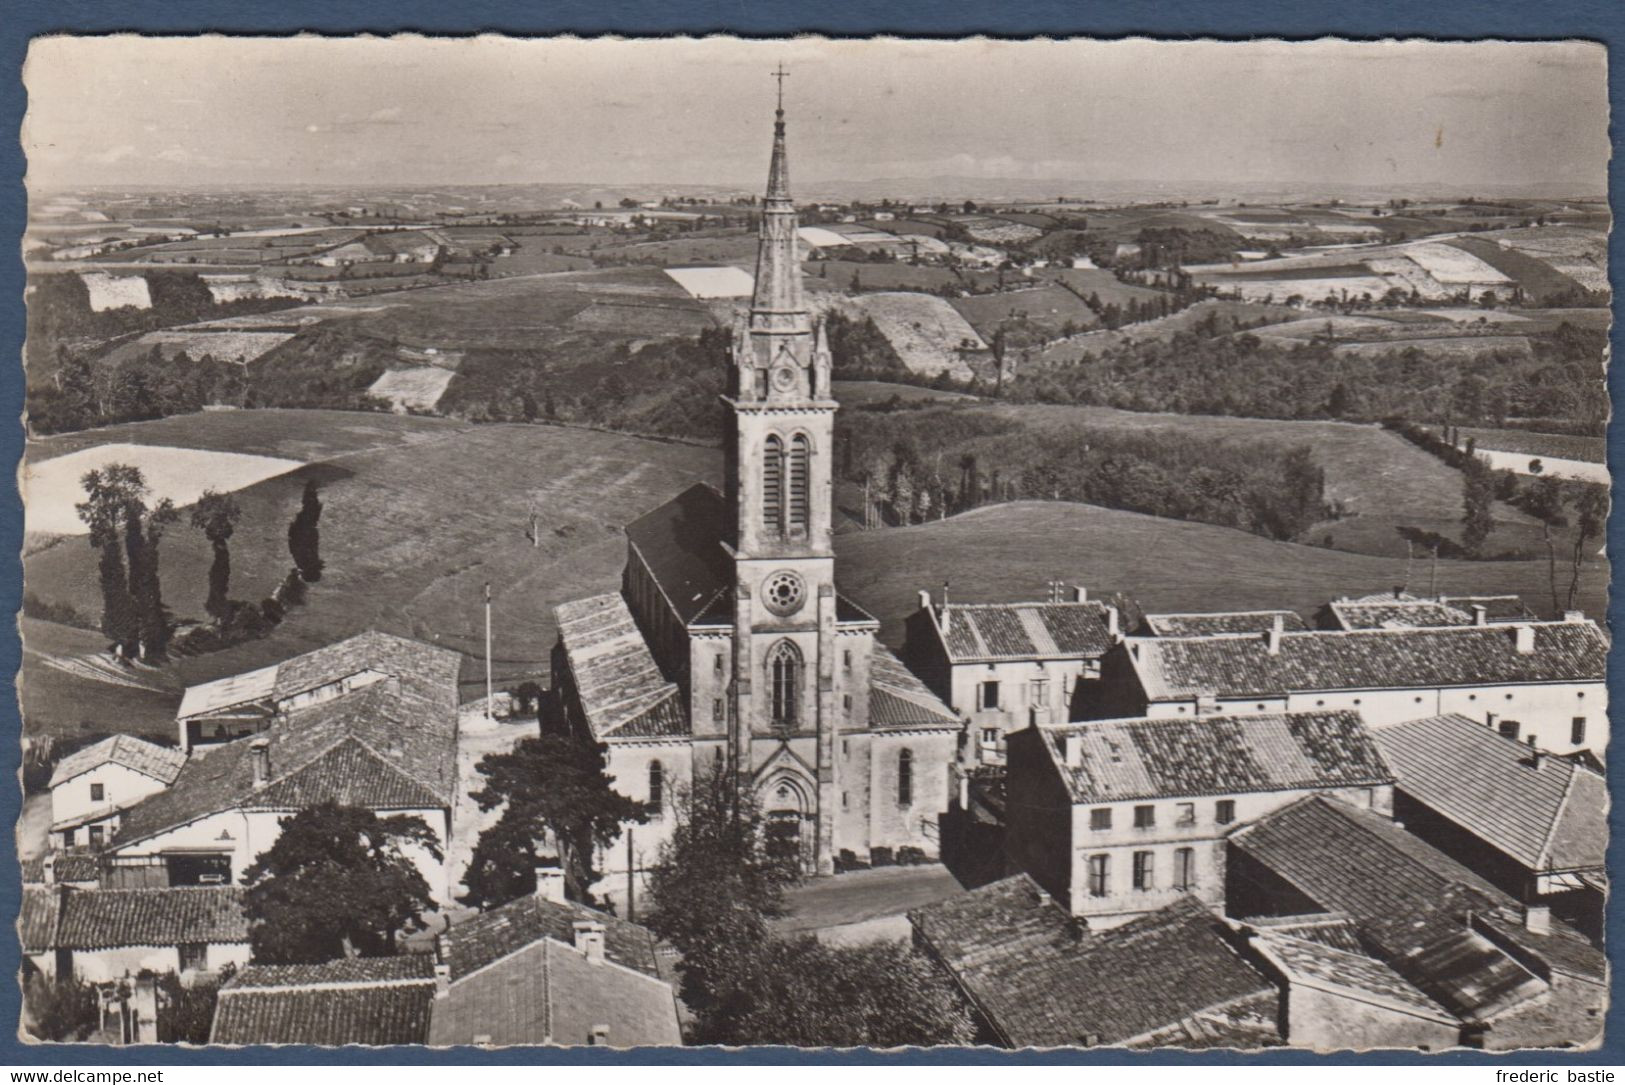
631, 879
487, 651
1433, 580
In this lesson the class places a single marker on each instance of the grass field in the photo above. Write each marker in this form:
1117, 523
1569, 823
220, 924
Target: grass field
857, 393
925, 331
1049, 308
839, 274
1007, 552
1229, 315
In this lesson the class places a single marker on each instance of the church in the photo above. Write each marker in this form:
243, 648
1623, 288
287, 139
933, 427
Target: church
729, 639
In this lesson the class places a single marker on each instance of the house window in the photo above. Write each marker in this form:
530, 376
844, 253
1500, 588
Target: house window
718, 710
990, 736
844, 801
67, 838
98, 793
1224, 811
1184, 868
1040, 691
784, 674
1100, 819
800, 484
96, 836
657, 786
846, 703
717, 664
1509, 729
1145, 817
905, 778
194, 956
1577, 731
1187, 814
1144, 877
1100, 869
599, 1036
990, 695
846, 659
773, 486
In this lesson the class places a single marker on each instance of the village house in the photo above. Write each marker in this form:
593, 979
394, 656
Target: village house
91, 786
353, 1000
246, 704
1512, 975
1001, 666
1033, 977
1220, 623
546, 970
1531, 681
1118, 818
729, 641
102, 935
1533, 825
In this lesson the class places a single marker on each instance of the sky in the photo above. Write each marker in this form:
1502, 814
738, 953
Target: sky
413, 110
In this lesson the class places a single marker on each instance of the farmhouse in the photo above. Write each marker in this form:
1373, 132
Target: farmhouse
91, 786
729, 641
100, 935
1001, 666
1540, 682
1118, 818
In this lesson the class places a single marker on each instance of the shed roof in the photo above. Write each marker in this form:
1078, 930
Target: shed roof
898, 699
1318, 965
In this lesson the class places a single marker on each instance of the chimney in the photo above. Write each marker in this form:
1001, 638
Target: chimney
1537, 918
1207, 704
48, 869
1491, 719
1574, 615
946, 618
1113, 624
1399, 591
925, 600
1272, 639
1080, 594
589, 937
550, 883
442, 980
1536, 754
1481, 614
259, 758
1523, 639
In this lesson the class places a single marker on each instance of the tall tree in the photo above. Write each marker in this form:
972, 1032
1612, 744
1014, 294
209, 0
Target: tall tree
339, 882
143, 531
216, 515
554, 788
1478, 496
110, 494
1590, 503
304, 537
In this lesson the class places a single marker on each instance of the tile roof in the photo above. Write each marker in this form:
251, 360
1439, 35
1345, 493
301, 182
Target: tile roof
991, 631
385, 746
681, 544
70, 866
621, 687
340, 1002
1179, 668
1415, 907
61, 917
162, 763
1324, 967
1111, 760
490, 936
431, 670
1398, 614
1217, 624
234, 691
1551, 817
1497, 608
898, 699
1042, 984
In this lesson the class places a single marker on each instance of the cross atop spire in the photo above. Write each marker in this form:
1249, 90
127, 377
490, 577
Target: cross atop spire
780, 73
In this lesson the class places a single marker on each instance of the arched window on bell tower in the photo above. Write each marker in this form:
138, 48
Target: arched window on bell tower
773, 485
800, 483
784, 683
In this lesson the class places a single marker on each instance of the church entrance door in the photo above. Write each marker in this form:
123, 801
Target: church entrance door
787, 821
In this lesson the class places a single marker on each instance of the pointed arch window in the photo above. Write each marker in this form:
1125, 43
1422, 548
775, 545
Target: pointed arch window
784, 683
800, 483
657, 787
773, 485
905, 778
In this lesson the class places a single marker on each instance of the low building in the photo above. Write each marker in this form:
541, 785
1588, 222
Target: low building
1533, 681
101, 935
1222, 623
91, 786
358, 1000
1118, 818
1034, 977
1400, 610
1512, 975
544, 970
1535, 826
1001, 666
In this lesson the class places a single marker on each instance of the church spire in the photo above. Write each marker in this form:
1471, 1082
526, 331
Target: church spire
777, 303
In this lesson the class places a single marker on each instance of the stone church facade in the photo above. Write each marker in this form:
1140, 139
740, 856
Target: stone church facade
729, 639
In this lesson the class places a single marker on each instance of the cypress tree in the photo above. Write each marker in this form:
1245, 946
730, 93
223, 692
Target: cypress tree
304, 538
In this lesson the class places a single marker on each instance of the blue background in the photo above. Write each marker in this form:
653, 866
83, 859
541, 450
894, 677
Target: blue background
21, 20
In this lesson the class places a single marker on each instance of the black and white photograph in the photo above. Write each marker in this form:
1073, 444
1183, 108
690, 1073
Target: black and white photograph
824, 543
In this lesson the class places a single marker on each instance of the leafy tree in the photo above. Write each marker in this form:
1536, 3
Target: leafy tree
304, 537
553, 788
216, 515
186, 1012
339, 881
1478, 495
1590, 503
113, 495
63, 1009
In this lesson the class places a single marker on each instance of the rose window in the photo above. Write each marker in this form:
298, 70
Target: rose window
784, 593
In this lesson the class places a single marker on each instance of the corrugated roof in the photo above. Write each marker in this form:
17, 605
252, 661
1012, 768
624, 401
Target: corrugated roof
681, 544
619, 683
61, 917
327, 1005
993, 631
1316, 964
1223, 622
1550, 817
162, 763
898, 699
1112, 760
1184, 667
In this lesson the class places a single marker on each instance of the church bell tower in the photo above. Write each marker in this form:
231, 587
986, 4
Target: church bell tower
780, 485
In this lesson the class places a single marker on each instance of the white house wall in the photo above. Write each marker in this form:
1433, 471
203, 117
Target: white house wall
121, 787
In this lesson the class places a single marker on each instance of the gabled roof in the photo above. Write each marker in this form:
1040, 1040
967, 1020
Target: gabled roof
251, 689
1547, 814
1112, 760
1176, 668
681, 544
1327, 968
61, 917
162, 763
1221, 623
978, 632
621, 687
490, 936
385, 1000
897, 699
